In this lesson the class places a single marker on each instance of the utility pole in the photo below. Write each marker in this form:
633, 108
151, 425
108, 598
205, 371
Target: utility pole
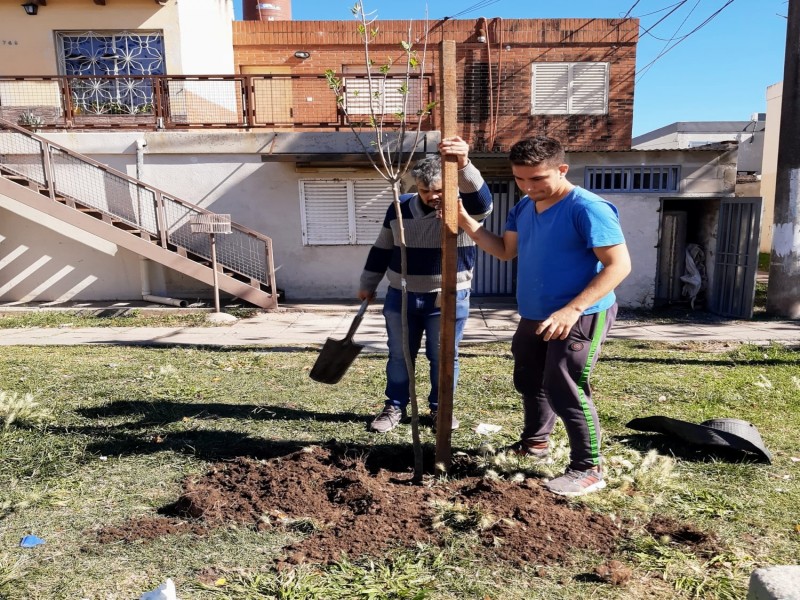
783, 291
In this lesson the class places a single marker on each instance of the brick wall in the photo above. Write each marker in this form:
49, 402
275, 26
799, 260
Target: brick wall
494, 105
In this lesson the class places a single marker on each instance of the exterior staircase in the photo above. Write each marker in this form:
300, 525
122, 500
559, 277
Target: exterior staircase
126, 211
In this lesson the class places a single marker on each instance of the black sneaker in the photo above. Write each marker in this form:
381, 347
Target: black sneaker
529, 449
387, 419
455, 422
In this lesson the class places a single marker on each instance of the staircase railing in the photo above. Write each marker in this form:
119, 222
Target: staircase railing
62, 173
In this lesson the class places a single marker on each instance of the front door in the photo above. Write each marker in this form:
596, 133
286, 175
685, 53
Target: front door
272, 95
494, 277
736, 261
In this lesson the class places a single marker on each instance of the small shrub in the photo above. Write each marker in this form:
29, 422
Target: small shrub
30, 120
25, 409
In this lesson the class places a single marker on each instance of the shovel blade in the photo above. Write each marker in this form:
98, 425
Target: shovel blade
334, 359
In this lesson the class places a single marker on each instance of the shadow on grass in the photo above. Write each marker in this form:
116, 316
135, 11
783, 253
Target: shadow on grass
159, 412
666, 446
146, 435
215, 445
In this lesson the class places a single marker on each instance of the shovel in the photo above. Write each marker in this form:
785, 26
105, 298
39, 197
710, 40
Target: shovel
336, 356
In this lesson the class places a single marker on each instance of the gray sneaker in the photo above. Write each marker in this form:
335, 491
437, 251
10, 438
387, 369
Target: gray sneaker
455, 422
576, 483
387, 419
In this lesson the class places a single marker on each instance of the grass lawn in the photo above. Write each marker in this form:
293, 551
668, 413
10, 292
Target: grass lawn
113, 317
110, 433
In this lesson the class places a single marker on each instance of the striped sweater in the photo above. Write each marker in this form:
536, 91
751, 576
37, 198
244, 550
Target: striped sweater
423, 235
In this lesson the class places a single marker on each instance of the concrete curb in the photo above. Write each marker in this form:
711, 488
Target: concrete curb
775, 583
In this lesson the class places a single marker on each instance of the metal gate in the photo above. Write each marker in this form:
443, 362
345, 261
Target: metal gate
492, 276
736, 263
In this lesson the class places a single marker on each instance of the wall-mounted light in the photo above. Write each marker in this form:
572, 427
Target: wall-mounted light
302, 54
31, 8
481, 36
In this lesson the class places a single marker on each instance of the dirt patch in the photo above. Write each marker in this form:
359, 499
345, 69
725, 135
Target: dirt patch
347, 509
668, 530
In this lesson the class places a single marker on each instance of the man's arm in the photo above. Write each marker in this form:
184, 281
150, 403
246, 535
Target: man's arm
504, 248
616, 266
472, 188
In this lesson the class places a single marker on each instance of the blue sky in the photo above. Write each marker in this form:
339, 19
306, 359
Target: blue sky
718, 73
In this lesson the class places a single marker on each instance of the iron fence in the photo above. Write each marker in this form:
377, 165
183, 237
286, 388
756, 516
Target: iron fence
62, 173
208, 101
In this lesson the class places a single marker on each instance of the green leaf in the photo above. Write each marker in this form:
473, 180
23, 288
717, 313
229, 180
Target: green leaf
406, 46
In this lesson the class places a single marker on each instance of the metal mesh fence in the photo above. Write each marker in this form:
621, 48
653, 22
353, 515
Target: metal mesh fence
238, 250
31, 102
22, 155
153, 101
93, 185
106, 192
205, 101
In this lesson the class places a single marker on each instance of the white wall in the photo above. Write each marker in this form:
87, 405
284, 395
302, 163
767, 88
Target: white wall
224, 172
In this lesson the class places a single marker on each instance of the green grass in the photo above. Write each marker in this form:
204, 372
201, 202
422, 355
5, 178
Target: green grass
124, 426
112, 317
764, 260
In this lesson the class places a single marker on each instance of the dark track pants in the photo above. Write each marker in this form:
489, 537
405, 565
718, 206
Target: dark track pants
553, 378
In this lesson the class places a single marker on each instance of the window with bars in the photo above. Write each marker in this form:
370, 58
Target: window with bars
632, 179
569, 88
101, 54
337, 212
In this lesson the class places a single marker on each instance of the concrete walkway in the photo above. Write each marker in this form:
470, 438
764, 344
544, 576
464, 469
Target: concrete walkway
309, 325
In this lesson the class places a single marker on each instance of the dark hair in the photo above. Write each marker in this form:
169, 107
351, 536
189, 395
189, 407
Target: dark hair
428, 170
537, 150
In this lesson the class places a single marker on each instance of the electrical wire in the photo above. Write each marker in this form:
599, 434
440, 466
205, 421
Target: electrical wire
711, 17
627, 14
664, 50
477, 6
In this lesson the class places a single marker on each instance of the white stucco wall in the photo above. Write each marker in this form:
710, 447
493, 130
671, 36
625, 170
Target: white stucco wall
197, 33
224, 172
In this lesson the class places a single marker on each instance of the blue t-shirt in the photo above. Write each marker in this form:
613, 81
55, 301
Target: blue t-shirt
555, 257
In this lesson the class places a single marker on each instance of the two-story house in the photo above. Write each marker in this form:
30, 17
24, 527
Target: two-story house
255, 132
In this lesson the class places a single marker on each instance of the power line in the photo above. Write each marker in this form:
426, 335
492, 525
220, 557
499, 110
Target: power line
477, 6
665, 49
627, 14
644, 69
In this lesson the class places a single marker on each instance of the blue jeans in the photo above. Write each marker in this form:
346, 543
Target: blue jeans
423, 316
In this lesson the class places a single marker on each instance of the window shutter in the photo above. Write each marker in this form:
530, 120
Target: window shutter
589, 89
372, 198
357, 95
325, 212
550, 88
389, 100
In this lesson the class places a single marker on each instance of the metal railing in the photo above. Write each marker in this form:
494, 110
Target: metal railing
62, 173
201, 101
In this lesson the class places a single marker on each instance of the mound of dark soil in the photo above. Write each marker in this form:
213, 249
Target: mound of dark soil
347, 509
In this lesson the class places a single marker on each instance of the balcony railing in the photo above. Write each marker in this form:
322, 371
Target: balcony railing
203, 101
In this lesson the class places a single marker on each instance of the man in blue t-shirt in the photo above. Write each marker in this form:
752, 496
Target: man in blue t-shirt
571, 255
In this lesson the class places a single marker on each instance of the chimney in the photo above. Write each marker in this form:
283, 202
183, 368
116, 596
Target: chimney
267, 10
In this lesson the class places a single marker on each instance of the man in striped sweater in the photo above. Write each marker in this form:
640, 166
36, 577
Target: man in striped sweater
423, 237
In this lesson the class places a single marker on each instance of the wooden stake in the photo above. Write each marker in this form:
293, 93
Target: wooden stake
448, 108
